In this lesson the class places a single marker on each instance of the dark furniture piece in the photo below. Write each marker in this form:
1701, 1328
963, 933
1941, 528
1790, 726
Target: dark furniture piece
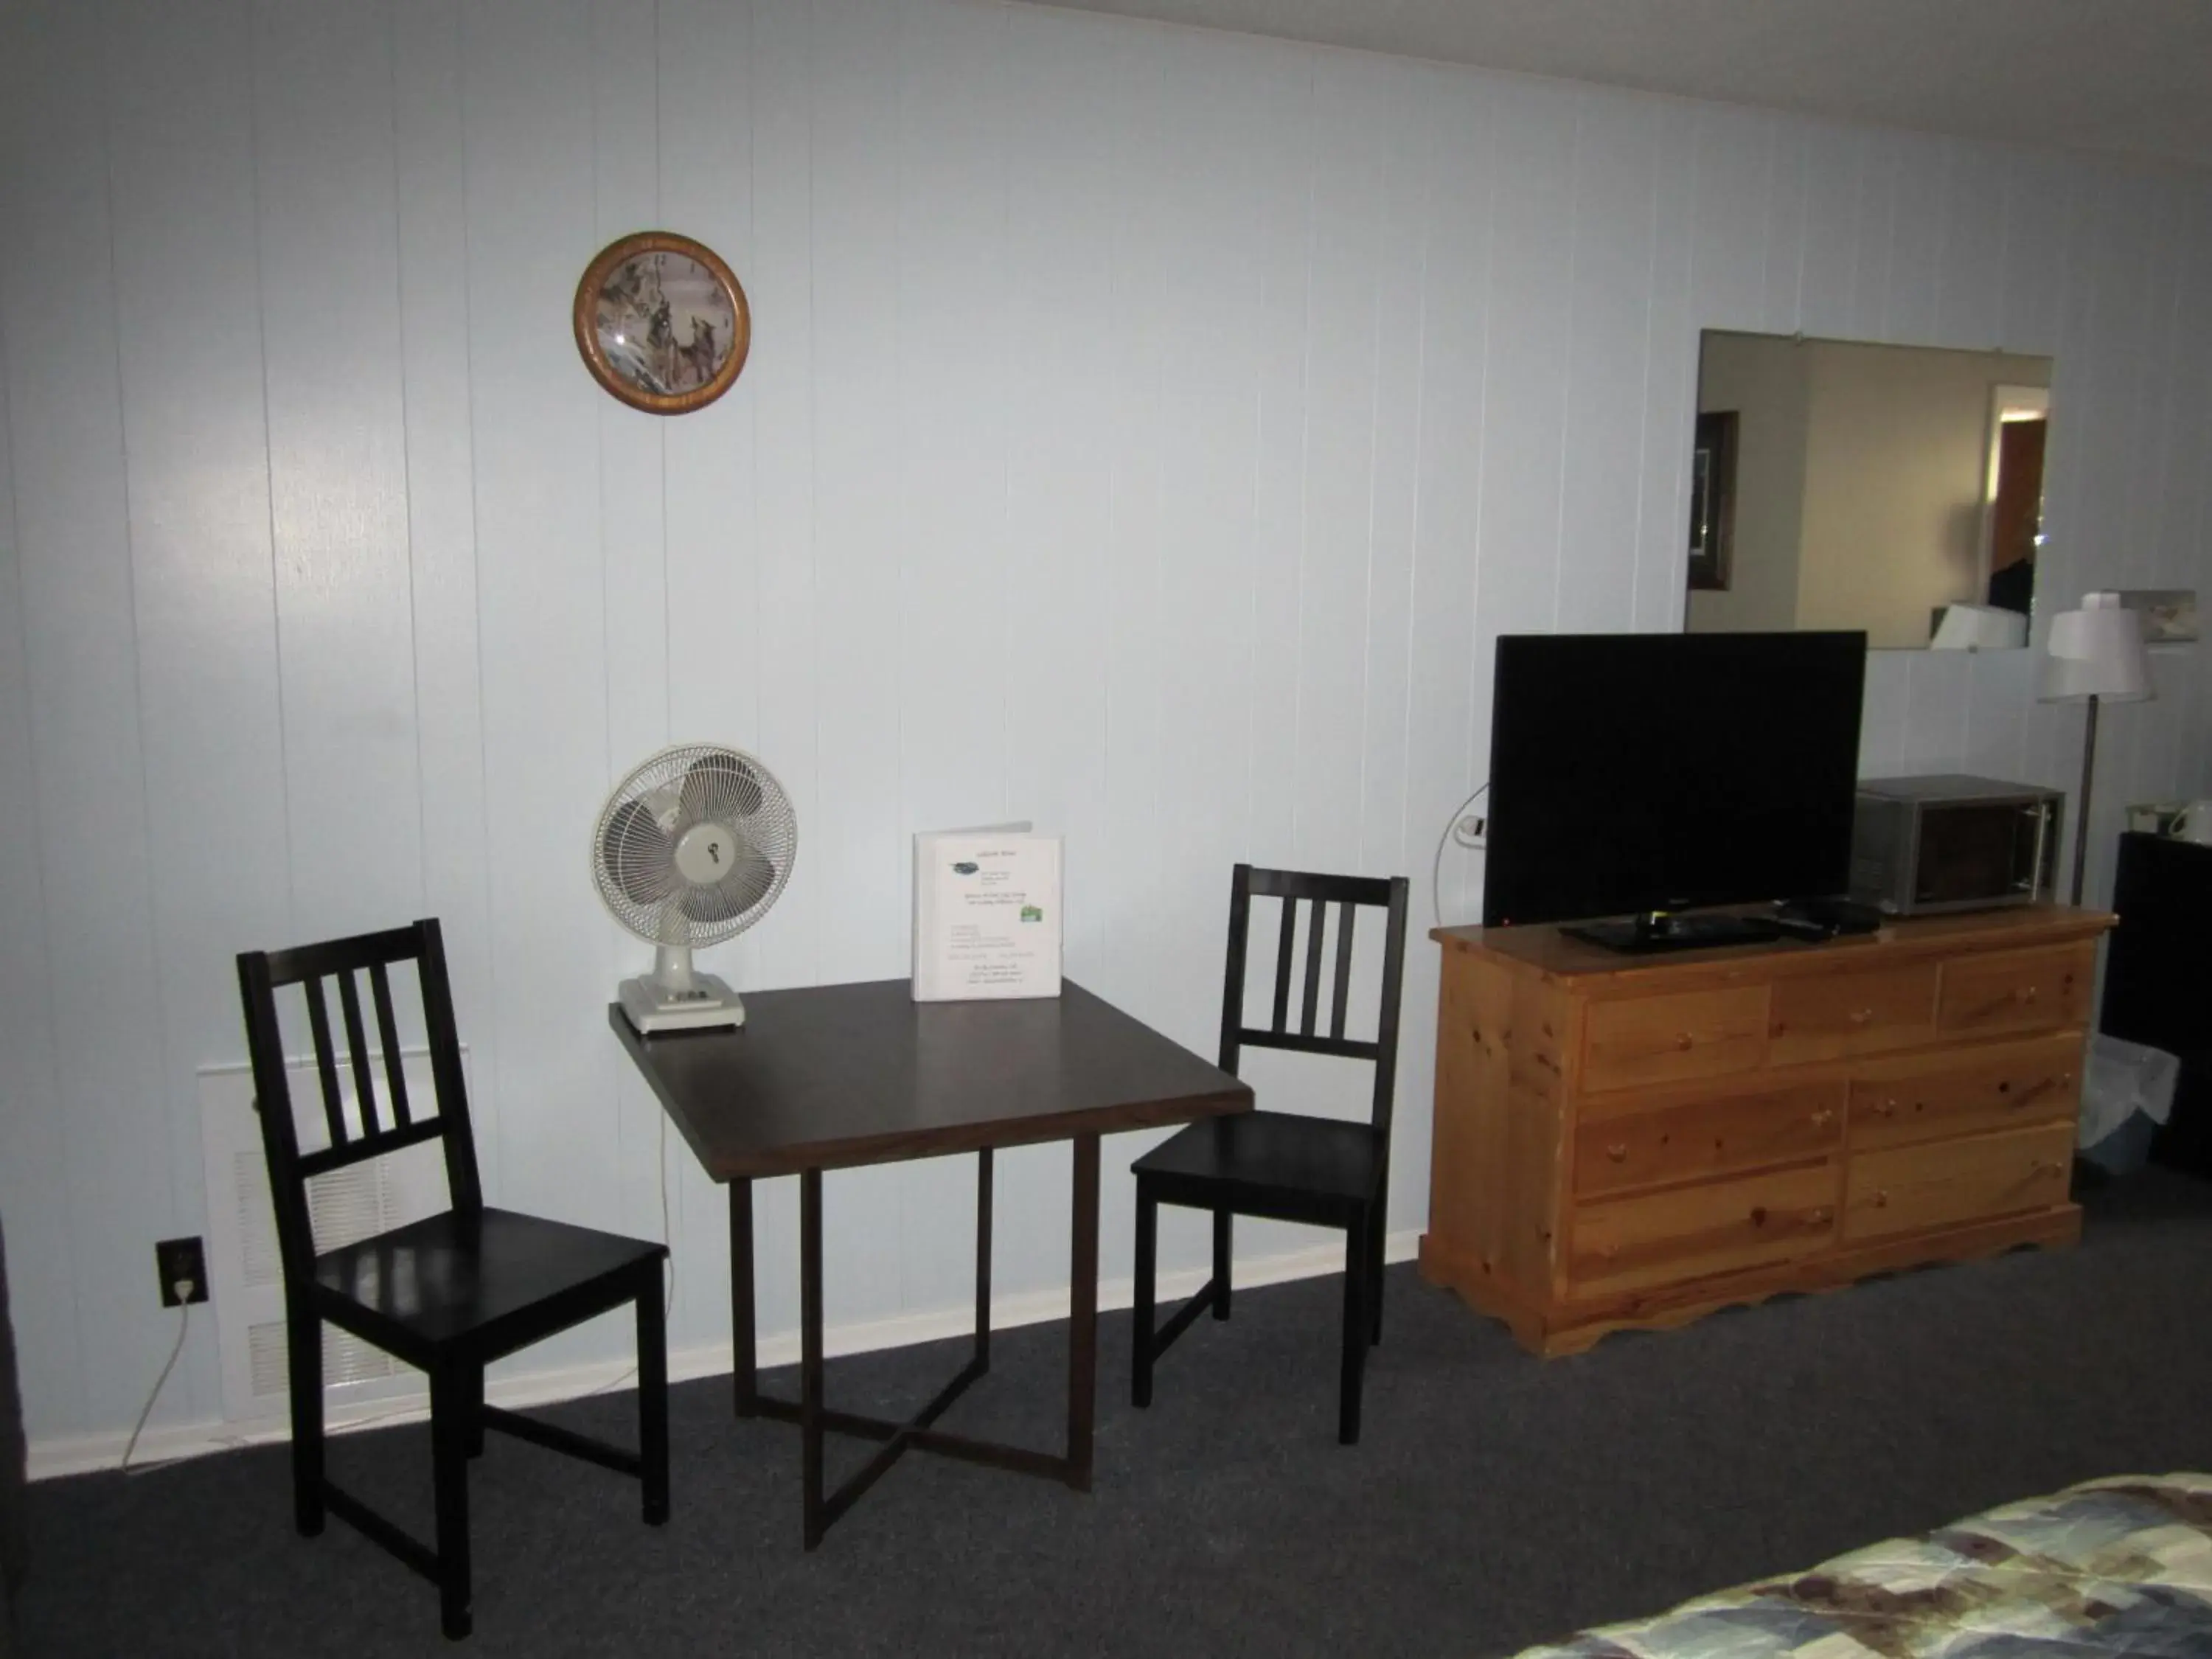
2158, 980
835, 1076
447, 1295
1320, 1171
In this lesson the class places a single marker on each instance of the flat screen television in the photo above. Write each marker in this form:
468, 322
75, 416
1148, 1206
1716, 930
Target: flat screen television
1640, 775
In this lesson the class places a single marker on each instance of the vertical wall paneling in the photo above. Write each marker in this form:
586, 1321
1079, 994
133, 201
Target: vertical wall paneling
1146, 432
1280, 292
1440, 767
951, 229
1060, 562
430, 185
33, 1202
1672, 341
190, 319
632, 536
1833, 158
1615, 161
79, 632
1971, 272
527, 109
860, 845
1523, 434
330, 323
1917, 224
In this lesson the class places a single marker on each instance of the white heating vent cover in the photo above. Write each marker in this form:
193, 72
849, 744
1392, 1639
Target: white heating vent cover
245, 1279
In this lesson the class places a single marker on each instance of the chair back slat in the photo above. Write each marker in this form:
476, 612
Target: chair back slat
261, 975
1349, 894
364, 1080
1345, 913
387, 1032
1313, 960
326, 1067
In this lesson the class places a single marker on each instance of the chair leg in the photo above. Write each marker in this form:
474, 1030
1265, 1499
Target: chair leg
1375, 1269
1357, 1335
1140, 1338
304, 1335
475, 1396
449, 1472
652, 1397
1221, 1224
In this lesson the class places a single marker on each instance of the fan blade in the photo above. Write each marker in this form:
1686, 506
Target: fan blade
637, 854
720, 787
748, 882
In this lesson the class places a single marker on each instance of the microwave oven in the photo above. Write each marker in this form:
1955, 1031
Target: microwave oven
1922, 845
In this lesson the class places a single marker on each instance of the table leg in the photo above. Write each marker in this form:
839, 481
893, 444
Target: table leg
810, 1354
983, 1259
1083, 1313
744, 1368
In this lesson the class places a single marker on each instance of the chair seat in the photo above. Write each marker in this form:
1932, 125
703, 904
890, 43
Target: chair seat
481, 1279
1275, 1159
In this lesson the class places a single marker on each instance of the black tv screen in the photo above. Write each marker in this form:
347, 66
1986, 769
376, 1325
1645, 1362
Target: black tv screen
1636, 773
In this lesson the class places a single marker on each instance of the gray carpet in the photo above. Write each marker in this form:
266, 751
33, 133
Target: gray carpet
1497, 1499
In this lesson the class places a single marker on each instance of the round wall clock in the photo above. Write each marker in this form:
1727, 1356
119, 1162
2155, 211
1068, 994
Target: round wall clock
662, 322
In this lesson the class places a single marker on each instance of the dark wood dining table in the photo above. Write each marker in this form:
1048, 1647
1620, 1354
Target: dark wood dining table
833, 1077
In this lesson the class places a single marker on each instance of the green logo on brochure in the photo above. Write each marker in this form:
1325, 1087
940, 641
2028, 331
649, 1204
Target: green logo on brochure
1030, 913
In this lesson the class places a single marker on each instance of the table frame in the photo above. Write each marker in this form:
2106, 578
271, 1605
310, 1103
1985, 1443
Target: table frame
821, 1509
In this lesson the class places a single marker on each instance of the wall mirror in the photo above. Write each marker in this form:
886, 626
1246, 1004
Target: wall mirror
1836, 484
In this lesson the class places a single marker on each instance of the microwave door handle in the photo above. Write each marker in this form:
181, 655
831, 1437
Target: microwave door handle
2042, 815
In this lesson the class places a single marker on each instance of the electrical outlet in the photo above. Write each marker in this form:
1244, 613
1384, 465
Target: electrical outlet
181, 1261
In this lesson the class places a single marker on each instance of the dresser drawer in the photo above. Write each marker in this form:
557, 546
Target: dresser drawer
2017, 991
1688, 1137
1942, 1184
2005, 1085
1694, 1232
1830, 1015
1640, 1040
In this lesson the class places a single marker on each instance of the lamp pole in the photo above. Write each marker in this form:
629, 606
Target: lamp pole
2082, 818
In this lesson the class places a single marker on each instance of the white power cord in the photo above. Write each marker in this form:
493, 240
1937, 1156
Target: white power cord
1465, 829
184, 1289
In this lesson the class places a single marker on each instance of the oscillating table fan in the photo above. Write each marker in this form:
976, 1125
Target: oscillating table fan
691, 849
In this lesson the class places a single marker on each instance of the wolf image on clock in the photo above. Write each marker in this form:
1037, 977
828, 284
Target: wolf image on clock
665, 322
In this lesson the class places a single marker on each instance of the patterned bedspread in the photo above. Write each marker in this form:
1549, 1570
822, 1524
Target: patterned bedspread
2120, 1567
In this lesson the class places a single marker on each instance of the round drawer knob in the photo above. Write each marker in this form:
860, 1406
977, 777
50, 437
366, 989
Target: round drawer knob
1684, 1041
1818, 1217
1617, 1152
2028, 995
1821, 1117
1882, 1198
1861, 1016
2045, 1167
1885, 1108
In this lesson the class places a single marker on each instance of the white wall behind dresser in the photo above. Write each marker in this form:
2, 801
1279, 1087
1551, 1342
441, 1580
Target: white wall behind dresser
1145, 431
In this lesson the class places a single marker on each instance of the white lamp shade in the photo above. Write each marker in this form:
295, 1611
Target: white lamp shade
2097, 652
1978, 627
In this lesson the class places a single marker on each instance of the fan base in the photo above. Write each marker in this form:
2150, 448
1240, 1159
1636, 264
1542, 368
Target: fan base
709, 1005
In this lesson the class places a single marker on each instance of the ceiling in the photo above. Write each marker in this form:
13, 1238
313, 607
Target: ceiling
2133, 76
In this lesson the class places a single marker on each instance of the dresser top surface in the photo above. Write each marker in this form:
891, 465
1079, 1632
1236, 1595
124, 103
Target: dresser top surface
1546, 950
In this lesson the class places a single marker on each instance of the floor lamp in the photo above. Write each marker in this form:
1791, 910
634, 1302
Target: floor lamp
2095, 655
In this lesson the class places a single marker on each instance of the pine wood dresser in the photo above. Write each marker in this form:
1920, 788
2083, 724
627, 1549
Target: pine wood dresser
1634, 1141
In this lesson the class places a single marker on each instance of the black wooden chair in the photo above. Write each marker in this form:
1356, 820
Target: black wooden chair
447, 1295
1320, 1171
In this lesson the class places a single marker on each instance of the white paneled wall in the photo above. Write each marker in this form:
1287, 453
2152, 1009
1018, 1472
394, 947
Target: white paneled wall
1146, 432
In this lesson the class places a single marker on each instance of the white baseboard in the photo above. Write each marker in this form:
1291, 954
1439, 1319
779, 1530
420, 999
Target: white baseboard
84, 1454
